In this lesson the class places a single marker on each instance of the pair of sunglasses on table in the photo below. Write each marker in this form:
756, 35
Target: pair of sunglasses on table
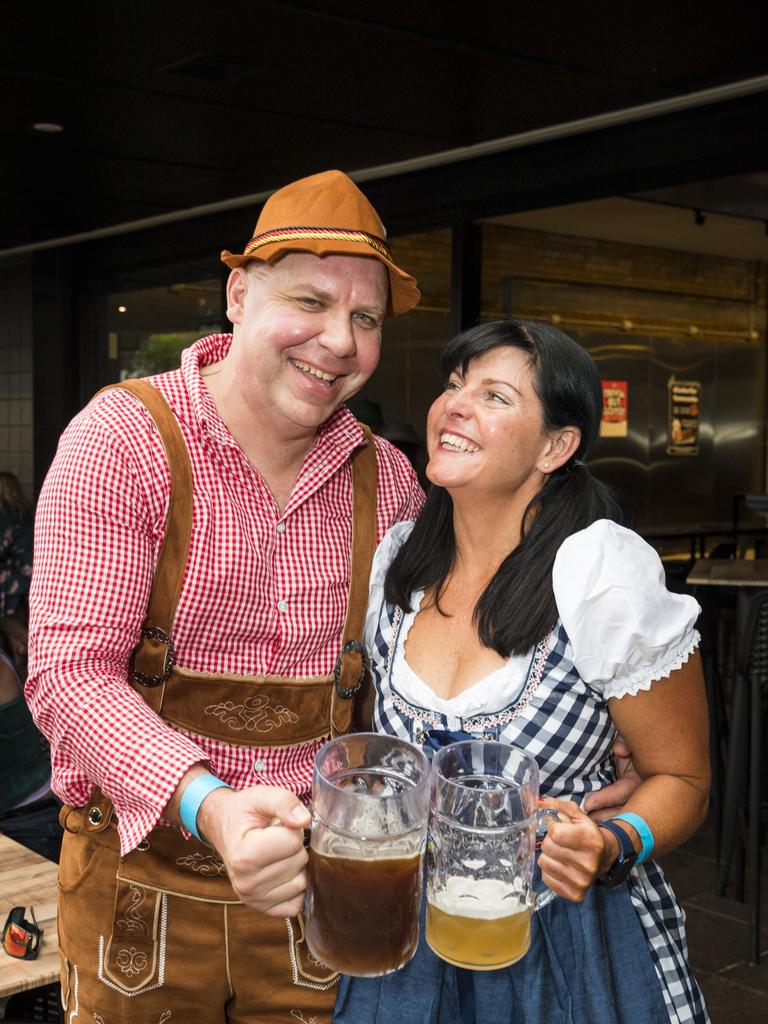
21, 938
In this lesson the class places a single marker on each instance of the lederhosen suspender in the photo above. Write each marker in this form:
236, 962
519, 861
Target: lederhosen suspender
296, 710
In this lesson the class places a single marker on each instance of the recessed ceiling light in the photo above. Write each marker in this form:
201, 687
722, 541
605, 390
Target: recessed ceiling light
48, 126
122, 309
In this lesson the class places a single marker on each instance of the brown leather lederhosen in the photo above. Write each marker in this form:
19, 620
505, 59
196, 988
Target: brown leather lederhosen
121, 968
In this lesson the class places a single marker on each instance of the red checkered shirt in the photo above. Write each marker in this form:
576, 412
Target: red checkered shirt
264, 592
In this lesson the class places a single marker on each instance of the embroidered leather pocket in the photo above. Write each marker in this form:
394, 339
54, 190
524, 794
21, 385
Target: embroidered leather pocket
132, 959
306, 969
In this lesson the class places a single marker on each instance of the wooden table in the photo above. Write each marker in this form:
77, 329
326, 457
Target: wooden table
29, 880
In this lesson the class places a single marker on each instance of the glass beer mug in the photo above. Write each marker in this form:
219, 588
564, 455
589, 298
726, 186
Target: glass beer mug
480, 860
370, 797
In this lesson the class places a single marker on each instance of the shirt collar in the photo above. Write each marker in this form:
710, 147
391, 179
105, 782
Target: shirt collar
205, 352
342, 430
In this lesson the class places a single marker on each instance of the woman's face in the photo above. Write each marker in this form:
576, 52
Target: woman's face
485, 432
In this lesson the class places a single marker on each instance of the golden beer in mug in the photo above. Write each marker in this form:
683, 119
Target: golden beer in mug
481, 850
485, 934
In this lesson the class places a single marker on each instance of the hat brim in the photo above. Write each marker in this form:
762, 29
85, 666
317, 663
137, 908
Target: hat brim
404, 294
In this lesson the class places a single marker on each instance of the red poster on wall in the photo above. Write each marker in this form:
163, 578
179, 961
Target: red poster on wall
614, 422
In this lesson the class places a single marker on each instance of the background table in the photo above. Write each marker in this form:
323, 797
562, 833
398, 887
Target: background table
29, 880
729, 572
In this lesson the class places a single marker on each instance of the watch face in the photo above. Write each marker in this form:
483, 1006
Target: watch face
620, 870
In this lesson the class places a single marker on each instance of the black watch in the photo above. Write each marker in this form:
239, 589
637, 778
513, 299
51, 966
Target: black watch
618, 871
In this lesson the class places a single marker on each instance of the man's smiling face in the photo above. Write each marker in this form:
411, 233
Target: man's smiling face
307, 335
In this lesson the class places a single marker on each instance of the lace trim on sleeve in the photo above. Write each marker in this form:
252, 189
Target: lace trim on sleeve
644, 679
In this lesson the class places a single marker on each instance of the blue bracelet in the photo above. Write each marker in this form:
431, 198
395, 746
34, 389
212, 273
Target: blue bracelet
194, 794
641, 827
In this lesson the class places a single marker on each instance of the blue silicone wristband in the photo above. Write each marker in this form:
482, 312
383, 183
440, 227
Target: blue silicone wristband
194, 794
641, 827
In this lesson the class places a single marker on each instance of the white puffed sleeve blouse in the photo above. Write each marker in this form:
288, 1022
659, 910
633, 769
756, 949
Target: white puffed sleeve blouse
626, 630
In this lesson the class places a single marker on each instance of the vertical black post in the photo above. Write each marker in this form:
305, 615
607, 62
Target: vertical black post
466, 274
755, 805
736, 499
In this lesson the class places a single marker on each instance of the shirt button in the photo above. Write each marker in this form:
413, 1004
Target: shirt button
281, 527
259, 765
282, 606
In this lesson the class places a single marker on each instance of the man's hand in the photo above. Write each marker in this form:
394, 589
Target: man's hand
258, 833
607, 802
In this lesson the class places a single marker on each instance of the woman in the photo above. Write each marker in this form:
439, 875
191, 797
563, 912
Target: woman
517, 608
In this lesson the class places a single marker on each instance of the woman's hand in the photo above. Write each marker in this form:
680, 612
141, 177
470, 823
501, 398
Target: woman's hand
574, 852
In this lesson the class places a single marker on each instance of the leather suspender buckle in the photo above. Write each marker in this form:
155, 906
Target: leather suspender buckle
350, 647
159, 635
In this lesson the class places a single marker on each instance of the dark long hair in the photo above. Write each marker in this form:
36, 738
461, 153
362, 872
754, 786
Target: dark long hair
517, 609
13, 498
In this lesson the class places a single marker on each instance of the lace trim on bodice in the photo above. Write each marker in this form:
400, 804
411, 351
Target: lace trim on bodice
473, 722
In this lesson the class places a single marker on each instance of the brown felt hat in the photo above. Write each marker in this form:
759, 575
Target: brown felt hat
325, 213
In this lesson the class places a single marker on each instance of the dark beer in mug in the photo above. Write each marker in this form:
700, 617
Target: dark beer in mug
362, 915
370, 796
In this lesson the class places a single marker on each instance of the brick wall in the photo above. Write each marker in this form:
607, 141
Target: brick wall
592, 284
587, 283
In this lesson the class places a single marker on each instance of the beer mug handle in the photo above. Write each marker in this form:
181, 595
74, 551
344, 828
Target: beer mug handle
543, 818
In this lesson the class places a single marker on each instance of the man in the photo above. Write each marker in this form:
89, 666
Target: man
154, 694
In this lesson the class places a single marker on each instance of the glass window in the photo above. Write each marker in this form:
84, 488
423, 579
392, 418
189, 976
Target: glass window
149, 327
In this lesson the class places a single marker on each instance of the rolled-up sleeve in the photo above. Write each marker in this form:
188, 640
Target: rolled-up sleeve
97, 531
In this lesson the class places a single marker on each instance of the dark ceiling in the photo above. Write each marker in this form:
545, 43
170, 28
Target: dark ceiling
165, 106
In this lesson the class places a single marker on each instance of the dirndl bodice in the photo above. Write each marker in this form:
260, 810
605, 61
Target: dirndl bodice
566, 726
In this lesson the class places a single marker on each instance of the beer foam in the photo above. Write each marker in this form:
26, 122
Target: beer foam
485, 898
359, 847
